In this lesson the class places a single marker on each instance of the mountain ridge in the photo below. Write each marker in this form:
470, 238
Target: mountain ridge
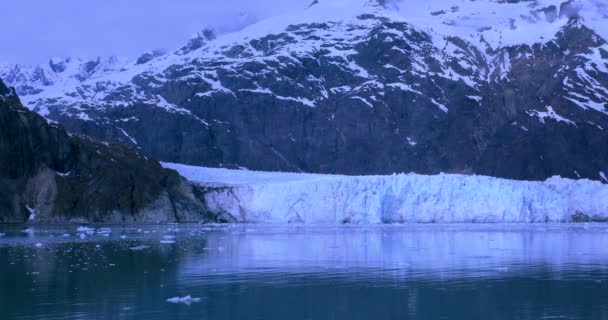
363, 92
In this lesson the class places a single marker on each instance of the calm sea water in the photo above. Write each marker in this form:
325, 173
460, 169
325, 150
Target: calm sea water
305, 272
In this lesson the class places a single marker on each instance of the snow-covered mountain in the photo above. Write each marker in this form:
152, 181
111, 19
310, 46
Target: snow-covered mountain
515, 89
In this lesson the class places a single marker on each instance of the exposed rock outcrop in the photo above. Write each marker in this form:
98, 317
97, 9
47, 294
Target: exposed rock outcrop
49, 175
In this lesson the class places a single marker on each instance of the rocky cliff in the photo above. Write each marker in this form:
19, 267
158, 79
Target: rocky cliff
49, 175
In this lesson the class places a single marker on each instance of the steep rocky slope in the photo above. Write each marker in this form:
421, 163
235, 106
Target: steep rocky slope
48, 175
356, 87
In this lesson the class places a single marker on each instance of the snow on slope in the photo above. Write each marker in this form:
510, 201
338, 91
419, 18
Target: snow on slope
500, 23
400, 198
490, 23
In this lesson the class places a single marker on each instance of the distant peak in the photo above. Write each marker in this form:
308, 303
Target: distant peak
350, 3
570, 9
59, 65
4, 90
148, 56
198, 41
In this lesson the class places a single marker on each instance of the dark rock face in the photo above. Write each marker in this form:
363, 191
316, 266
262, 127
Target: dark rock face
580, 217
372, 96
47, 175
149, 56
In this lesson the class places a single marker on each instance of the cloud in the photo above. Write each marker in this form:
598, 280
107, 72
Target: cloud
35, 30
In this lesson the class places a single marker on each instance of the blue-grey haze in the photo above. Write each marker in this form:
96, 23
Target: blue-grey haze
35, 30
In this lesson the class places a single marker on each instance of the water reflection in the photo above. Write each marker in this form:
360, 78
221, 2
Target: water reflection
306, 272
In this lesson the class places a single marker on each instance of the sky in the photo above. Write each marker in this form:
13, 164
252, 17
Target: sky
35, 30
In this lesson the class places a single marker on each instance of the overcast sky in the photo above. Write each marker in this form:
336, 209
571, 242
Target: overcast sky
35, 30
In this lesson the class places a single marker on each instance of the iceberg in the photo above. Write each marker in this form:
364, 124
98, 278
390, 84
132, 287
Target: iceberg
138, 248
185, 300
273, 197
85, 229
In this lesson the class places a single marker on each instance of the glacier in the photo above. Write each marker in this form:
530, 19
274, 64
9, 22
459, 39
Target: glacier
244, 196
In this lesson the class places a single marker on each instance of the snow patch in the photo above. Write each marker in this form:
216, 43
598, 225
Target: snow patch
411, 142
32, 215
550, 114
62, 174
128, 136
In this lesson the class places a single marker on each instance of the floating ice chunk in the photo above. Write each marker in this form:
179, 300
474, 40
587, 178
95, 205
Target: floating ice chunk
103, 231
28, 231
185, 300
65, 235
123, 237
85, 229
83, 236
39, 245
139, 248
2, 234
167, 241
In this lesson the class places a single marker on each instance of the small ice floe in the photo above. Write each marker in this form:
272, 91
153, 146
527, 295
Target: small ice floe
168, 239
2, 234
39, 245
123, 237
104, 232
85, 229
28, 231
139, 248
185, 300
83, 236
65, 235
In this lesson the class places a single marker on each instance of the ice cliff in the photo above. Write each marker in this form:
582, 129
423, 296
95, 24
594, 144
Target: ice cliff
247, 196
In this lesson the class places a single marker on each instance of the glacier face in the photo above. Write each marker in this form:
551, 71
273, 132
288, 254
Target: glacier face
255, 197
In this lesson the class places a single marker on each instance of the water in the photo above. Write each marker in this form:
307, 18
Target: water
305, 272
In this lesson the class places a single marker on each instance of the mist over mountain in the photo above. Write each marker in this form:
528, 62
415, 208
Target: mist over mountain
69, 28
